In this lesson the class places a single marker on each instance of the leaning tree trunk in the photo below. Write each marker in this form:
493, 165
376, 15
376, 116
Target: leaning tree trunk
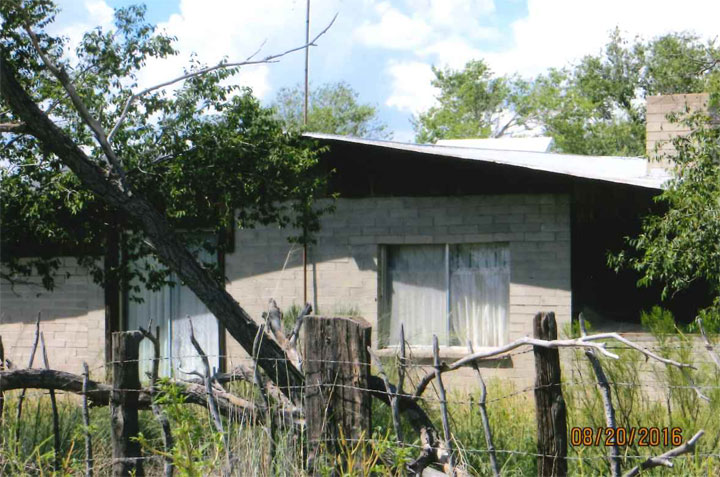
168, 246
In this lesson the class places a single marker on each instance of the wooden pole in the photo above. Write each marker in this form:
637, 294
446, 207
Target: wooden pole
337, 403
551, 414
124, 404
24, 390
86, 422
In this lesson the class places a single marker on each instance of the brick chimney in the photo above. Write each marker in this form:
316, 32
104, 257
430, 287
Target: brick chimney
660, 131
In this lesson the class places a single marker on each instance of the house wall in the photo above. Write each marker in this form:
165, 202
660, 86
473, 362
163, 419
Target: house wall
72, 320
344, 263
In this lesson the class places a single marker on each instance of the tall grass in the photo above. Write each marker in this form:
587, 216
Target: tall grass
644, 395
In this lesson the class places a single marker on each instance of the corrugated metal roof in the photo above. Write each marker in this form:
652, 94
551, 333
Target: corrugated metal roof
621, 170
533, 144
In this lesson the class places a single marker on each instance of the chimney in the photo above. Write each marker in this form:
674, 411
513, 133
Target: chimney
660, 131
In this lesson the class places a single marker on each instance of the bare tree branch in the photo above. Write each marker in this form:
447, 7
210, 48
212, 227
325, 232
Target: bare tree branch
392, 392
587, 342
664, 459
247, 62
606, 393
484, 417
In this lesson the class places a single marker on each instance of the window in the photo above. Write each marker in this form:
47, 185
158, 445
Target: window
458, 292
171, 309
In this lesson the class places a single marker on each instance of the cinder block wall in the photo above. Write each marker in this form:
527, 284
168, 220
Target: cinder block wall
660, 130
72, 320
343, 265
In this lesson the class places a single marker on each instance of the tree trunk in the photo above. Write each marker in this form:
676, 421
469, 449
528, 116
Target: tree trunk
168, 246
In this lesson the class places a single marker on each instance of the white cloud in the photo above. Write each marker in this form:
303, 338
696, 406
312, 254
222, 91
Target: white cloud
557, 32
395, 30
74, 22
411, 88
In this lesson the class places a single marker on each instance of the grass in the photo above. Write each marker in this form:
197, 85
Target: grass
644, 395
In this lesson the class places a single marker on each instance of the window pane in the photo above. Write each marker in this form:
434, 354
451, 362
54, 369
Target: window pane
479, 291
414, 293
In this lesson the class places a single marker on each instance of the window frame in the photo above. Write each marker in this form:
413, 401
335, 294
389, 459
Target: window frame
425, 350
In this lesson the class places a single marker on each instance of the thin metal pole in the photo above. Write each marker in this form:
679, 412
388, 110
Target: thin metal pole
305, 121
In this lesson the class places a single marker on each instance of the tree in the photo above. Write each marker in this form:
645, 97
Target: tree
596, 106
681, 246
472, 103
333, 109
80, 138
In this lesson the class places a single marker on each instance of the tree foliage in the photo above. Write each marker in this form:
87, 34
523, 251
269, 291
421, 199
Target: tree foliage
333, 108
208, 154
682, 245
595, 106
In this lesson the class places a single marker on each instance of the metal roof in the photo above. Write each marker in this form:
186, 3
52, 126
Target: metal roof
534, 144
622, 170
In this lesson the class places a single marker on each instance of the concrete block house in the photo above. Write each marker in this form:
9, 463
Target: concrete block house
463, 242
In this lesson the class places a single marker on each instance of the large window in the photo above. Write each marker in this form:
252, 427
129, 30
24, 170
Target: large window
458, 292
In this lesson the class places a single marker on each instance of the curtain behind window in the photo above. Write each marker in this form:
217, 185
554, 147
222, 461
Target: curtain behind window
479, 294
171, 308
415, 293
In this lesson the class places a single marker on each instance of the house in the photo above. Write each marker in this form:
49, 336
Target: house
465, 243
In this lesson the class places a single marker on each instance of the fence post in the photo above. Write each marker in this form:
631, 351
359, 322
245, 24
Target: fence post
549, 402
336, 377
124, 403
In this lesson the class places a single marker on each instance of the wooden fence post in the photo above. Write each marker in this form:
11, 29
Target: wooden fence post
337, 369
550, 405
124, 403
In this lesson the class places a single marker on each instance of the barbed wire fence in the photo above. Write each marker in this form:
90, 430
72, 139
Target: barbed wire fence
335, 410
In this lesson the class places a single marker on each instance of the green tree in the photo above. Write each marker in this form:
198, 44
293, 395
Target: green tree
333, 108
682, 245
86, 152
596, 106
471, 103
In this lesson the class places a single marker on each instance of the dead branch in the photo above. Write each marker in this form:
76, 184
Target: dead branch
664, 459
391, 393
587, 342
449, 468
606, 394
162, 419
202, 71
217, 421
402, 361
53, 405
708, 344
30, 363
99, 393
257, 380
484, 417
86, 422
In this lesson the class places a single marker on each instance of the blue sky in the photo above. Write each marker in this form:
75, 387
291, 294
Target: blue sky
385, 48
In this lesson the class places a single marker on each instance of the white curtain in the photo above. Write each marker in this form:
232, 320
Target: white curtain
479, 294
423, 282
171, 308
416, 293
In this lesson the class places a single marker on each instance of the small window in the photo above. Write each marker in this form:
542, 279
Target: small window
458, 292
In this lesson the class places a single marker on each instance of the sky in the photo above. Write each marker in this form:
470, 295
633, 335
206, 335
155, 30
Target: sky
385, 49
